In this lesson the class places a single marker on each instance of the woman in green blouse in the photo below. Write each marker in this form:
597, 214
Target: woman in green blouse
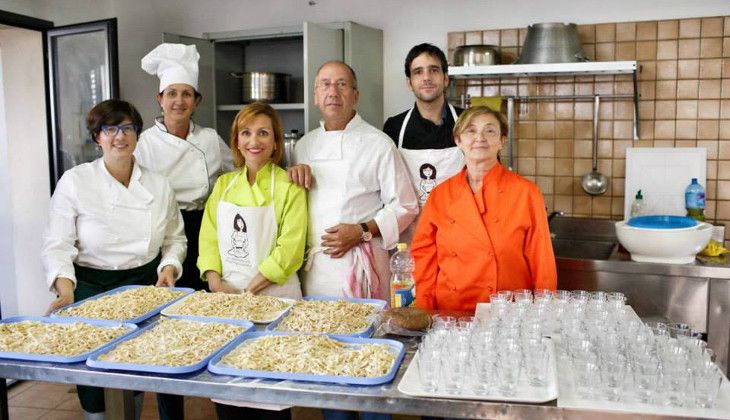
254, 227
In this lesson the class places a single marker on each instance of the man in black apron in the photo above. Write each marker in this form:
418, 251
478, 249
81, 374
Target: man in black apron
424, 133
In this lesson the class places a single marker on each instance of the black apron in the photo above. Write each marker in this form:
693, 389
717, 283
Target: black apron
91, 282
191, 275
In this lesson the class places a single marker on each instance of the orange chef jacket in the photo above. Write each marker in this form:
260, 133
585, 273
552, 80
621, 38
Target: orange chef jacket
468, 246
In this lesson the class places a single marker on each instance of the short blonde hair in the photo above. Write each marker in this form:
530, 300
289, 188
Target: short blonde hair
468, 115
244, 116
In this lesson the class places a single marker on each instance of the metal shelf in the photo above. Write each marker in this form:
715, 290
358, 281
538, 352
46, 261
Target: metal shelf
589, 68
279, 107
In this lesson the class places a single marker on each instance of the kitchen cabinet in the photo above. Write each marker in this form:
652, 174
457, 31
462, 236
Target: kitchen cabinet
295, 50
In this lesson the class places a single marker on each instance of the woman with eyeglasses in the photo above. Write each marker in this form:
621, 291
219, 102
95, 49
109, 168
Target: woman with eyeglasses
112, 223
484, 229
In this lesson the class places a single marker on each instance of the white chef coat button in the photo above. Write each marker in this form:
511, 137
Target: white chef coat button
453, 253
116, 267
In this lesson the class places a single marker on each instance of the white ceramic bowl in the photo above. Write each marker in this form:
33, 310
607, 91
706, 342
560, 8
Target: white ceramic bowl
672, 246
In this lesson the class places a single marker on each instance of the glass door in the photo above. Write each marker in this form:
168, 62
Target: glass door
83, 71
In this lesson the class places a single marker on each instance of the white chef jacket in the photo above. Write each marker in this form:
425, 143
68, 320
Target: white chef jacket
192, 165
96, 222
364, 166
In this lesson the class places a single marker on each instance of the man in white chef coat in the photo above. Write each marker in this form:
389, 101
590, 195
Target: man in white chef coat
360, 198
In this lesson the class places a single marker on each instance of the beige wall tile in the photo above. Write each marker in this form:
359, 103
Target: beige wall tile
583, 129
603, 88
723, 149
623, 110
563, 184
647, 70
605, 112
665, 110
582, 148
491, 37
546, 148
724, 108
689, 48
646, 132
689, 28
605, 129
617, 186
581, 206
601, 206
687, 89
545, 166
685, 143
546, 89
708, 129
508, 90
584, 88
646, 50
709, 89
711, 146
712, 166
710, 210
725, 130
508, 55
546, 111
623, 129
663, 143
723, 212
455, 39
711, 47
726, 31
712, 26
526, 166
545, 183
687, 109
563, 167
723, 190
587, 33
664, 129
626, 51
725, 89
646, 30
711, 190
605, 51
564, 148
605, 149
564, 130
582, 167
666, 50
723, 171
626, 88
646, 108
686, 129
548, 201
583, 111
589, 50
688, 69
711, 68
526, 130
668, 29
545, 130
564, 110
563, 203
726, 67
666, 89
509, 38
708, 108
626, 31
619, 148
606, 32
526, 148
617, 208
619, 167
666, 70
726, 47
474, 38
647, 90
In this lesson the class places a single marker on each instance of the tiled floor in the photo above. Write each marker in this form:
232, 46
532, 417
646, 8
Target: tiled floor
47, 401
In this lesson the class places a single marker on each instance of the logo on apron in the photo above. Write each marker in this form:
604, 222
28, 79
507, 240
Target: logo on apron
238, 252
427, 173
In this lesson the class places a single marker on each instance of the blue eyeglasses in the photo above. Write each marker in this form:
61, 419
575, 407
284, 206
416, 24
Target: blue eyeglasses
127, 129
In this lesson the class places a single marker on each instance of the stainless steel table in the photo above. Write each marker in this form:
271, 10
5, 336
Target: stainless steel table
385, 398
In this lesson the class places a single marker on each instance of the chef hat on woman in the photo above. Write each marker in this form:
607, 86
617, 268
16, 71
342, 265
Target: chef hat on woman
173, 63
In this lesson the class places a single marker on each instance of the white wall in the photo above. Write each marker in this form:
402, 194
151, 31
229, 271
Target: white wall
24, 186
404, 23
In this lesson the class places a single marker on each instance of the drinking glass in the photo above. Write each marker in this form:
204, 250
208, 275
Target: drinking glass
428, 364
646, 377
613, 370
454, 368
536, 362
509, 364
706, 386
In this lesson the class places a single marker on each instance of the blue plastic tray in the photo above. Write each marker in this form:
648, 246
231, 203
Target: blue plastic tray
94, 361
136, 320
65, 320
364, 333
216, 366
662, 222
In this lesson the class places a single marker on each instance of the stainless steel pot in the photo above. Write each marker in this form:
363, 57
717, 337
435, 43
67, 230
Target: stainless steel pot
264, 86
290, 140
551, 43
476, 55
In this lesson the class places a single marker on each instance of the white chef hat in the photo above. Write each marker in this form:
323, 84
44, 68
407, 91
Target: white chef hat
173, 63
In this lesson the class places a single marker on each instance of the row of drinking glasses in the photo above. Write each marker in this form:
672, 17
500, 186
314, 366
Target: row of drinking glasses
492, 356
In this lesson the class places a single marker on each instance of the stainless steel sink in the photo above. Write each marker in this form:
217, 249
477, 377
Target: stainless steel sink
593, 239
584, 249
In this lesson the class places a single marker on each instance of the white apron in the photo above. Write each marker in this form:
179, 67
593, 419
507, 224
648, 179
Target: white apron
246, 236
444, 163
354, 274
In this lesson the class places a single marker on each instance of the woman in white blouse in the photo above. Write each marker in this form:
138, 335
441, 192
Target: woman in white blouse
112, 223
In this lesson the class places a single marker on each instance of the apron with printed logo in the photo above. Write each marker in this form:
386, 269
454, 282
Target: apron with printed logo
246, 236
428, 168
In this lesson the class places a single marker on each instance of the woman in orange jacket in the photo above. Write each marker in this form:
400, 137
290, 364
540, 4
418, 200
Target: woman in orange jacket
484, 229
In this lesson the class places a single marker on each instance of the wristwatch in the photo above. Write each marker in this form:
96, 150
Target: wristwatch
366, 234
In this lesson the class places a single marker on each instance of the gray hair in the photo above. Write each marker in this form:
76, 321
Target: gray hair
352, 71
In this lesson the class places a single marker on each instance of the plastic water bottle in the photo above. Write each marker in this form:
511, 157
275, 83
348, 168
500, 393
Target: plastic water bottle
694, 200
401, 280
637, 207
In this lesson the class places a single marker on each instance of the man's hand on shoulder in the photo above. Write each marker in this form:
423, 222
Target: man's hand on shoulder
301, 175
341, 238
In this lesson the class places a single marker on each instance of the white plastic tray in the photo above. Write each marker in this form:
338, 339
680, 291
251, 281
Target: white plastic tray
410, 384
